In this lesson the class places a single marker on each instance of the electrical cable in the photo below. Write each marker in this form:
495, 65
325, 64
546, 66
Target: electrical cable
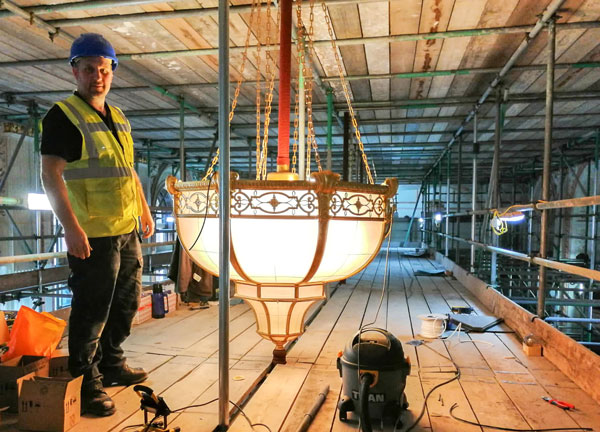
205, 212
422, 413
365, 382
453, 407
420, 416
252, 425
383, 291
126, 428
147, 428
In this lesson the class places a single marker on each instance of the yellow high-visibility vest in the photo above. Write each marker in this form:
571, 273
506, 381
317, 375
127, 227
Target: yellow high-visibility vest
101, 185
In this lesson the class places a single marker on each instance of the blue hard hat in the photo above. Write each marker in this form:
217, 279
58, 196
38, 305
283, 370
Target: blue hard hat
93, 45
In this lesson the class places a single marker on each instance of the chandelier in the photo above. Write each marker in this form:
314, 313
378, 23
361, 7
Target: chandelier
289, 237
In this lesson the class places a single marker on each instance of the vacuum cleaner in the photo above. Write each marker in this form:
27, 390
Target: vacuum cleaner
373, 370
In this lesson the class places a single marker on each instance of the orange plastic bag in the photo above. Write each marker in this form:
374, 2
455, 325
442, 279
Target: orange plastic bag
3, 329
34, 333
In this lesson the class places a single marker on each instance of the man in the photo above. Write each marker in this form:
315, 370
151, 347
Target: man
88, 175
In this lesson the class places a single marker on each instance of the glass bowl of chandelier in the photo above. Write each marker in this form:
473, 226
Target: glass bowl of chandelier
288, 239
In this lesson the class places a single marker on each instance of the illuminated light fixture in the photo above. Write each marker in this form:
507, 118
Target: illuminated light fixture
170, 219
288, 239
421, 220
36, 201
515, 216
437, 218
498, 223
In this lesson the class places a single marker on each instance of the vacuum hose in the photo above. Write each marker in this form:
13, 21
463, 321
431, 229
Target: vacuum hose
365, 419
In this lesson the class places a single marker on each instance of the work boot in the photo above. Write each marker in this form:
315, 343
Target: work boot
95, 401
124, 375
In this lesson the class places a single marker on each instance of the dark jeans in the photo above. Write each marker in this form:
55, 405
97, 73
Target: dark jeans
106, 289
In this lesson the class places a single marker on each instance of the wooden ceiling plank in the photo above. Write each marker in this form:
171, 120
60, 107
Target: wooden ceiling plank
466, 14
435, 17
375, 22
346, 23
404, 18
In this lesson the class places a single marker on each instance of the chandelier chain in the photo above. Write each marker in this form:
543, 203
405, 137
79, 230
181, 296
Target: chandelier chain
270, 71
300, 58
258, 86
308, 95
236, 95
347, 93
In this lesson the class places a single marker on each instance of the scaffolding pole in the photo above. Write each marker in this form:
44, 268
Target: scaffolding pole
224, 214
541, 305
446, 243
474, 191
458, 195
495, 181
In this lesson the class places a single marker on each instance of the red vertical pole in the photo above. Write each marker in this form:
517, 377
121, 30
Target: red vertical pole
285, 65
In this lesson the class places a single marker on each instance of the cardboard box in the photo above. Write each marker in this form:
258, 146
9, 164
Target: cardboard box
59, 364
49, 404
13, 369
144, 312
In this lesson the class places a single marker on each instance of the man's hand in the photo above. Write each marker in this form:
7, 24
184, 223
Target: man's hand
77, 243
146, 218
76, 239
147, 223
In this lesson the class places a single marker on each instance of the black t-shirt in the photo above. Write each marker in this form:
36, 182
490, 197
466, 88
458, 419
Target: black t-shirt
60, 137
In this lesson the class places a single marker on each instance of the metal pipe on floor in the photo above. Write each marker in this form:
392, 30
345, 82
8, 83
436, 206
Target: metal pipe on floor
224, 214
309, 416
547, 163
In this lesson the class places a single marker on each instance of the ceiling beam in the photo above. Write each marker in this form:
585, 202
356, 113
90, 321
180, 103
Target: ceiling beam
240, 49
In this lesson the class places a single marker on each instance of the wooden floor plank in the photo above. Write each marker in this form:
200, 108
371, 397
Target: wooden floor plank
318, 377
309, 345
260, 408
